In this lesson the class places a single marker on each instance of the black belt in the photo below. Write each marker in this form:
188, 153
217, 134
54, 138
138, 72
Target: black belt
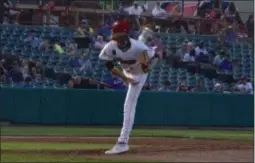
129, 62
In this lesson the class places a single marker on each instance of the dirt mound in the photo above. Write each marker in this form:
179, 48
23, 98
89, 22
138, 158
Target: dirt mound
153, 149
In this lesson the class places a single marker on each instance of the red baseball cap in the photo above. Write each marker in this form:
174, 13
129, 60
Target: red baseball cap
120, 27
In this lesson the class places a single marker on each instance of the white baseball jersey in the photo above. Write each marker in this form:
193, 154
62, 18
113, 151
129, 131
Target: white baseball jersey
128, 59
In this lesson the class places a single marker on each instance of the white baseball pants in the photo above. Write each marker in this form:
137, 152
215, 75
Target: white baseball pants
130, 106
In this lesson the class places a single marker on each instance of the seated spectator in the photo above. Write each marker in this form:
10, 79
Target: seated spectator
190, 56
218, 58
80, 31
37, 71
232, 14
136, 10
58, 48
78, 82
123, 10
44, 45
183, 49
100, 43
32, 40
105, 29
116, 83
25, 69
202, 6
226, 64
199, 87
84, 30
86, 64
75, 62
166, 87
63, 78
71, 48
182, 87
10, 11
15, 74
177, 21
201, 49
158, 11
250, 26
202, 58
84, 83
245, 86
217, 87
28, 83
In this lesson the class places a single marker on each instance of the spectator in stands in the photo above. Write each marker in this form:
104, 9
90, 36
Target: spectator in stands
71, 48
99, 43
37, 71
166, 87
245, 86
28, 83
182, 87
44, 45
86, 64
226, 64
15, 74
202, 6
183, 49
189, 56
199, 87
217, 87
4, 72
58, 48
158, 11
63, 78
105, 29
250, 26
232, 14
33, 40
10, 11
218, 58
75, 62
123, 10
84, 30
177, 21
201, 49
84, 83
81, 31
136, 10
25, 69
116, 83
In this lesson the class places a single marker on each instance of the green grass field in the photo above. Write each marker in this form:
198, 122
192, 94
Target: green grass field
52, 146
114, 132
56, 158
94, 132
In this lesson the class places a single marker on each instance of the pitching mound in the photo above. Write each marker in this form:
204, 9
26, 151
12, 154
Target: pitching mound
151, 149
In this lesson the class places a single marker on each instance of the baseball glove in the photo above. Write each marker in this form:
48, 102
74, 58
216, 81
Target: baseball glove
144, 61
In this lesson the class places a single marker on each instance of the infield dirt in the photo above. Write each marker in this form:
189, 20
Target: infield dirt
150, 149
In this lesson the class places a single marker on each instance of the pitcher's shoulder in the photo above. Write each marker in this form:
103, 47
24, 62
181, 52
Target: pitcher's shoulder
110, 45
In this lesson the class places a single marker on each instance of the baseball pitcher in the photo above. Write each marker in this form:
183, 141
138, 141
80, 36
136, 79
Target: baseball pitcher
136, 59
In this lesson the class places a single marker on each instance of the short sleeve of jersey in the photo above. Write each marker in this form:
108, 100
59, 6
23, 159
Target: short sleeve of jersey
149, 50
106, 52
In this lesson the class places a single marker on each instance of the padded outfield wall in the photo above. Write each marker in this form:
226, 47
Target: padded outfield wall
93, 107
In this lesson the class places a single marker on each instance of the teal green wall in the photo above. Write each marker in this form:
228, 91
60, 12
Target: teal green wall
92, 107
